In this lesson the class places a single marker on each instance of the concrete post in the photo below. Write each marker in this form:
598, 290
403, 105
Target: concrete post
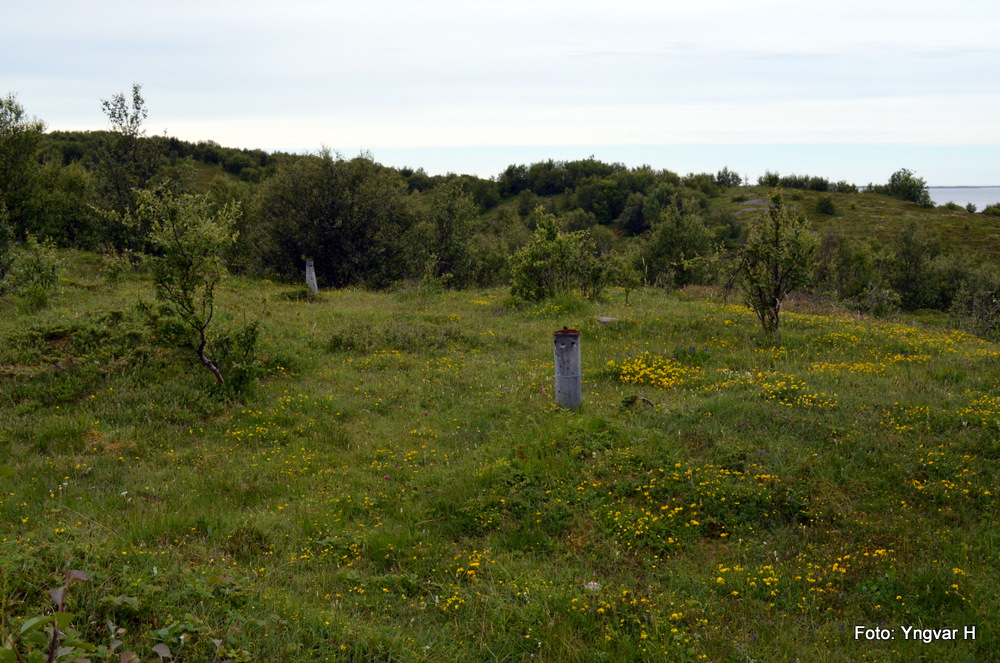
311, 276
569, 376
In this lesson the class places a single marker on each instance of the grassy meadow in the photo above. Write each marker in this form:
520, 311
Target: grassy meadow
399, 486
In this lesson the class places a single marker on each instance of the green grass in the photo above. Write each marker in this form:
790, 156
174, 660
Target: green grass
864, 217
400, 487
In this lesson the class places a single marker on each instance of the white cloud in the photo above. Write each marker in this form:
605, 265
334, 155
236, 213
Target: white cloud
389, 73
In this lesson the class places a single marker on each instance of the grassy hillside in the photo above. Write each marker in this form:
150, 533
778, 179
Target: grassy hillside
402, 488
863, 217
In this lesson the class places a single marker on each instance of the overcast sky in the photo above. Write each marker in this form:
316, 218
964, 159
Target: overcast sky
848, 90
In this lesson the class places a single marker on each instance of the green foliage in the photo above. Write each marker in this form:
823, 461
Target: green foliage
238, 196
555, 263
453, 222
703, 183
728, 178
115, 264
769, 179
491, 247
905, 185
824, 205
976, 304
5, 240
127, 163
669, 194
606, 197
624, 270
805, 183
31, 273
513, 180
417, 180
577, 219
992, 210
549, 178
633, 220
485, 192
773, 180
19, 141
670, 249
604, 239
64, 206
857, 274
488, 257
235, 346
527, 201
432, 281
53, 638
914, 274
188, 242
776, 260
352, 217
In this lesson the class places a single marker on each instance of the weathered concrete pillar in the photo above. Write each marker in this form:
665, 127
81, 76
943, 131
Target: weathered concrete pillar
311, 276
569, 376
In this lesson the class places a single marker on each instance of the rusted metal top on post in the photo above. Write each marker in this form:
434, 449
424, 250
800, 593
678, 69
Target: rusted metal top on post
567, 332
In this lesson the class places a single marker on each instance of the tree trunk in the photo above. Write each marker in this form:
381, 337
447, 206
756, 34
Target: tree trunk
208, 362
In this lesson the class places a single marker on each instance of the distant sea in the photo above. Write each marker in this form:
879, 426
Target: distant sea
980, 196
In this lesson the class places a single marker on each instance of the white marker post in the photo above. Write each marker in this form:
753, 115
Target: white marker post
569, 376
311, 276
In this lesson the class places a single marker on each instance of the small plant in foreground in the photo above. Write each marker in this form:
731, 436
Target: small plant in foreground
50, 638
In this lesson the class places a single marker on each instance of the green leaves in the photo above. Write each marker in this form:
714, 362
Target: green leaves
555, 262
905, 185
351, 217
40, 638
776, 260
35, 623
453, 217
679, 236
188, 240
19, 139
31, 273
126, 164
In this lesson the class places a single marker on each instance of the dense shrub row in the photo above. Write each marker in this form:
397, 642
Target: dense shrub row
805, 183
366, 224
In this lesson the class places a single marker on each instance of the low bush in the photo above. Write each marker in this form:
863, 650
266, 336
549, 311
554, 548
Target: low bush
31, 274
556, 262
